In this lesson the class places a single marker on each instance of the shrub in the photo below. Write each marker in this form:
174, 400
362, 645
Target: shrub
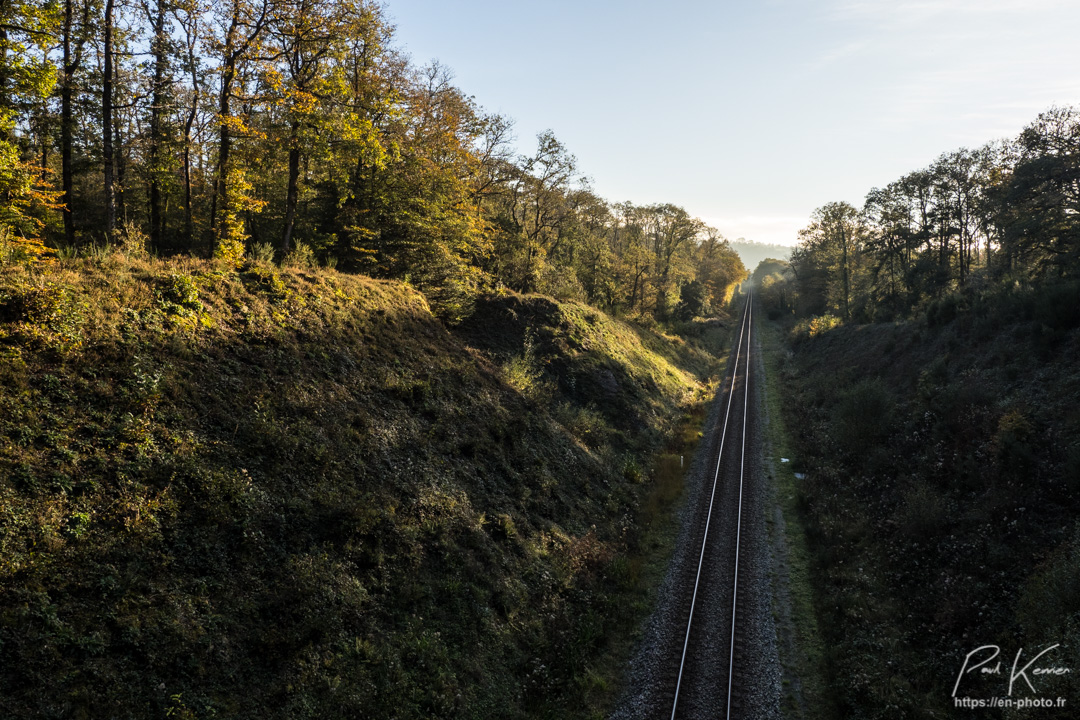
267, 278
1051, 595
132, 241
814, 326
1014, 443
943, 311
524, 374
300, 257
261, 253
560, 283
864, 413
691, 301
179, 295
585, 423
923, 513
43, 316
1058, 306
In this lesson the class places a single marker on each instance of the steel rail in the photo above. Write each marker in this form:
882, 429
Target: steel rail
712, 497
738, 523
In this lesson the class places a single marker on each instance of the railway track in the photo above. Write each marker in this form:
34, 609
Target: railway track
711, 679
709, 649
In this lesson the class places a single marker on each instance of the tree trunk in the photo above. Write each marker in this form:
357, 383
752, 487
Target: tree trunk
224, 147
121, 172
292, 194
189, 220
156, 112
844, 264
4, 135
66, 122
107, 122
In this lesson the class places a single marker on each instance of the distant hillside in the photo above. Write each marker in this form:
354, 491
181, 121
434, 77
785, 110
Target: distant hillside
294, 493
753, 253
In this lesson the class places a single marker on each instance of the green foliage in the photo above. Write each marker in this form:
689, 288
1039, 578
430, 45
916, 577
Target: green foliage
300, 257
179, 295
132, 241
1014, 445
232, 232
943, 311
524, 373
864, 413
41, 315
1050, 599
261, 253
975, 224
691, 301
268, 279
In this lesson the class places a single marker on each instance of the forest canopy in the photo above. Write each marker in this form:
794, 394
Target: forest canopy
998, 218
274, 128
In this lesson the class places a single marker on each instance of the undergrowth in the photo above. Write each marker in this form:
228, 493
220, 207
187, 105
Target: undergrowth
291, 493
940, 498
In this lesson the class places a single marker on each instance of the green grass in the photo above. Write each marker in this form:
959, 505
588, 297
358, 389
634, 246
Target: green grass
804, 662
291, 493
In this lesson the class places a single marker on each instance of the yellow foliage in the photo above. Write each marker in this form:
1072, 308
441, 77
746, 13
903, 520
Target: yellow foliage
230, 245
812, 327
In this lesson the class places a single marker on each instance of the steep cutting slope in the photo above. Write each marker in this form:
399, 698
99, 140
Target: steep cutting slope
941, 494
297, 494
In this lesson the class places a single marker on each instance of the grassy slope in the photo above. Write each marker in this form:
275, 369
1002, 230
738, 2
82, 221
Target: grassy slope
297, 494
801, 649
944, 481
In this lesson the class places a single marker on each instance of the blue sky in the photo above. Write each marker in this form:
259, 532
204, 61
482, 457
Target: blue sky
752, 114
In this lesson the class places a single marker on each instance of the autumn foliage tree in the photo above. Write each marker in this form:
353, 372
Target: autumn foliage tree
233, 127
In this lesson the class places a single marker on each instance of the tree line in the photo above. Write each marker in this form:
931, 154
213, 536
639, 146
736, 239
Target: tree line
277, 127
1003, 215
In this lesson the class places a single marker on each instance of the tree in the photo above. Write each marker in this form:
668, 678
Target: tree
241, 25
75, 30
717, 267
107, 118
691, 301
307, 39
27, 78
1038, 203
833, 242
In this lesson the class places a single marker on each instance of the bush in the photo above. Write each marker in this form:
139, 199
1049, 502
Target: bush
300, 257
132, 241
42, 316
864, 413
1014, 442
261, 253
179, 295
943, 311
1058, 306
814, 326
560, 283
691, 301
923, 513
524, 373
